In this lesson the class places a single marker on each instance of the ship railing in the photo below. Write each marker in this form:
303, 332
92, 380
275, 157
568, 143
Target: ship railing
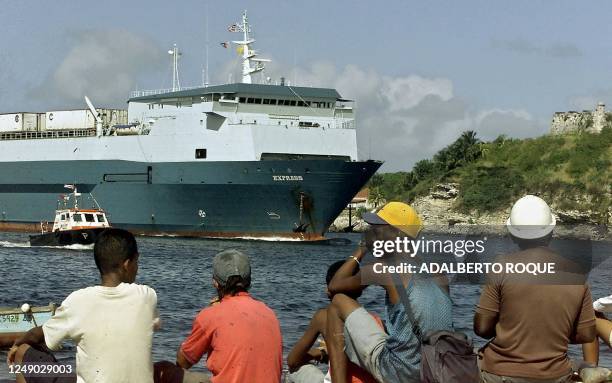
29, 135
45, 227
344, 124
153, 92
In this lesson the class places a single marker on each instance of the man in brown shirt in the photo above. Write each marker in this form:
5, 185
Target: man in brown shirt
532, 319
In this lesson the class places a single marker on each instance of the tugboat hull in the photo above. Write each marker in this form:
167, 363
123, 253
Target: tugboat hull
66, 238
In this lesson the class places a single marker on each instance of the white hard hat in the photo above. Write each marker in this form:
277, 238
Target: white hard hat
530, 218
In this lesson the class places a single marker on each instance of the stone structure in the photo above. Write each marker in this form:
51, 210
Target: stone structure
587, 120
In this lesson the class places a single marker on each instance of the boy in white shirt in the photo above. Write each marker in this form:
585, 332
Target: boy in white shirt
112, 324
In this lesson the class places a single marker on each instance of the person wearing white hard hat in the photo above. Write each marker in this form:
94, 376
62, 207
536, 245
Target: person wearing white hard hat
603, 326
531, 219
531, 330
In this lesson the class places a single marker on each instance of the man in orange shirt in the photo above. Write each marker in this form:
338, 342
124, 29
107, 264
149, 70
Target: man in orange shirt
240, 335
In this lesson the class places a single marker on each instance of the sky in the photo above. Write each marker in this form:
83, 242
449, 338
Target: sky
420, 72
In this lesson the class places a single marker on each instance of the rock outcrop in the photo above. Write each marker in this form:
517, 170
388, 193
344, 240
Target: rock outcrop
439, 212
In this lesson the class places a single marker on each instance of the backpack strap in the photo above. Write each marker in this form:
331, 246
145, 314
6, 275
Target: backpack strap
401, 290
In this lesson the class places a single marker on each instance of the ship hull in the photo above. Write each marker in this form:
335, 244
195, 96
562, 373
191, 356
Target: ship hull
66, 237
285, 199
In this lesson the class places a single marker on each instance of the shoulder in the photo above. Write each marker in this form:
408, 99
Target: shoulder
215, 311
260, 307
263, 308
212, 315
79, 295
143, 290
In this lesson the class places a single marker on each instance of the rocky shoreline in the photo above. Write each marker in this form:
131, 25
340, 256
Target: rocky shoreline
439, 216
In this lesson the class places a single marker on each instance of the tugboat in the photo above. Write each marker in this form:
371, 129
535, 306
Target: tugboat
72, 226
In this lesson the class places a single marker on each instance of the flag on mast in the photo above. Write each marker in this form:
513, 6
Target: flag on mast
233, 28
225, 44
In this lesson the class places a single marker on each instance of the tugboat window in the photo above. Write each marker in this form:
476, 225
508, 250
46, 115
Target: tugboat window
200, 153
89, 218
78, 218
100, 218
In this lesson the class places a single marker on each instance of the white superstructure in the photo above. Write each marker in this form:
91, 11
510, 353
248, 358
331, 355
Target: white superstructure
232, 122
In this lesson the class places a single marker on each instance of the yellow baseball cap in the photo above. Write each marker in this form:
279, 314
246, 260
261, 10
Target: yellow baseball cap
399, 215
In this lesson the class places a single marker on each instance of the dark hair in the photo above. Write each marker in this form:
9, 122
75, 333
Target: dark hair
112, 248
333, 269
234, 285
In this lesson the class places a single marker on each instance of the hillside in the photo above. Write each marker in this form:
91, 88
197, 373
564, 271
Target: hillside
573, 172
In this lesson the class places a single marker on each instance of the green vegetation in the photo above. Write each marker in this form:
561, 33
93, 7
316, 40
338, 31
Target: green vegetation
574, 171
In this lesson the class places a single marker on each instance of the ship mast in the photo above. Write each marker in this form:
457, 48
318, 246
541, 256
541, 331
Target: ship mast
248, 54
176, 82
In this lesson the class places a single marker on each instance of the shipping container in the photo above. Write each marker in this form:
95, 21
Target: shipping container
17, 122
69, 120
42, 121
83, 119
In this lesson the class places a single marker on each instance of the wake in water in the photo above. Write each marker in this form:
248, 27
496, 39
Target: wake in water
27, 244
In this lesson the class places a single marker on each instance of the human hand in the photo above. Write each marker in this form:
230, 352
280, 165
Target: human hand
360, 252
322, 345
10, 358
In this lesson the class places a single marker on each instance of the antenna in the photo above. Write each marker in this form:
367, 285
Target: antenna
294, 65
206, 78
96, 116
176, 82
248, 54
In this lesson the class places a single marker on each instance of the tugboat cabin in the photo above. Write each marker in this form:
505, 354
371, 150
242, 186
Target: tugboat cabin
72, 219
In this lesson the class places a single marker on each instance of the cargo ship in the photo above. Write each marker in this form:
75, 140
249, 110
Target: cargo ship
238, 160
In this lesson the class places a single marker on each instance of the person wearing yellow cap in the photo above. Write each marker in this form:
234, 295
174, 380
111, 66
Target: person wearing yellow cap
353, 335
398, 215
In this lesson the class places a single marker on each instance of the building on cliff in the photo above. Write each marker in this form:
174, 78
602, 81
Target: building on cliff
592, 121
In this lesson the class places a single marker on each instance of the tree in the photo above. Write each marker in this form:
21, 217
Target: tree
464, 150
423, 169
375, 197
376, 180
410, 181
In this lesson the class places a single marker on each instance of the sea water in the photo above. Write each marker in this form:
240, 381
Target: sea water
289, 277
